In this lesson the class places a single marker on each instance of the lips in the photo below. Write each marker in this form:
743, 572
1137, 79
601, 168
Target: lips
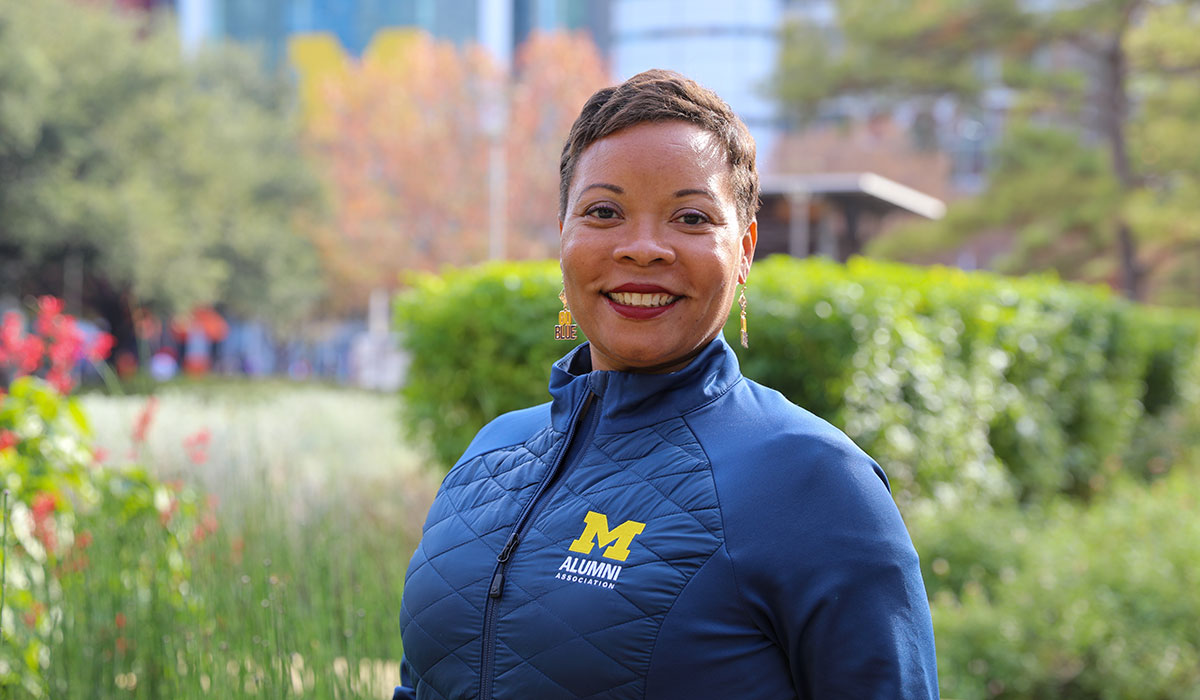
640, 301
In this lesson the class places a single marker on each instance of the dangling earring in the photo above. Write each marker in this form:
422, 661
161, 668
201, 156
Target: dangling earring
566, 328
742, 303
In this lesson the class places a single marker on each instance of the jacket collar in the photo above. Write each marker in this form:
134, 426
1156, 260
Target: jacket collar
629, 400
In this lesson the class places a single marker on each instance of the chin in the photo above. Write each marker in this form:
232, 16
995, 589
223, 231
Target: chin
650, 357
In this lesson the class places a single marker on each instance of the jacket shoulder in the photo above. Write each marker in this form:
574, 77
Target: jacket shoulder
783, 439
512, 428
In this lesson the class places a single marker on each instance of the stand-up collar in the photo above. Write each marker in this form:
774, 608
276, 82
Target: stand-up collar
630, 400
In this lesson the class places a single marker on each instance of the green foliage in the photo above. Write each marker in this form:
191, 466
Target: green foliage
90, 550
964, 386
482, 342
1068, 601
1049, 187
1095, 176
178, 181
887, 50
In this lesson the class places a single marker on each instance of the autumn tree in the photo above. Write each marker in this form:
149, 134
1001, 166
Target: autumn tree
555, 73
406, 135
149, 180
1092, 171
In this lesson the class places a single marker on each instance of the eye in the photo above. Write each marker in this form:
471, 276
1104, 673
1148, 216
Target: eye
602, 211
692, 217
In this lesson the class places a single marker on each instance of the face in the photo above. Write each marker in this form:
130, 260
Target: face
652, 251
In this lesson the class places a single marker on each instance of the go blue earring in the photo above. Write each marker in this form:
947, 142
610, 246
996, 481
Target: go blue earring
566, 328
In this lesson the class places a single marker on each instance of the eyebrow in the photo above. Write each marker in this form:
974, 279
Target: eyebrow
614, 188
603, 186
706, 193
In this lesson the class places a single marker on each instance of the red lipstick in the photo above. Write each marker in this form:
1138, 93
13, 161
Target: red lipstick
639, 313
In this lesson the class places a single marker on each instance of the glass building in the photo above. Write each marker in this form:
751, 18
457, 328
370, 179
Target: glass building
500, 25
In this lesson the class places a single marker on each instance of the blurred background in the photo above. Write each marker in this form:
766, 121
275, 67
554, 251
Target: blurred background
266, 266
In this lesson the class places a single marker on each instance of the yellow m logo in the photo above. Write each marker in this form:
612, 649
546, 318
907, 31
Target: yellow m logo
596, 532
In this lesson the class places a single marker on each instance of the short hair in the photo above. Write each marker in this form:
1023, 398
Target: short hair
660, 96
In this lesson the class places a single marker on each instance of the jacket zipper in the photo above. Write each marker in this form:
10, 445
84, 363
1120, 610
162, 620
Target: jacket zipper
496, 588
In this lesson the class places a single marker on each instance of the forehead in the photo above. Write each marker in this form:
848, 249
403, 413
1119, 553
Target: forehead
664, 152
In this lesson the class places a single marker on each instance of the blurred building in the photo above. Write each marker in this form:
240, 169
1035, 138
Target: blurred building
730, 47
501, 25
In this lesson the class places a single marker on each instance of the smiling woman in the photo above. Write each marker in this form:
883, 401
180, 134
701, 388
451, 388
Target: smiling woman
652, 245
664, 527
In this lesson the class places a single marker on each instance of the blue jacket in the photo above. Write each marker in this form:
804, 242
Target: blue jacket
685, 535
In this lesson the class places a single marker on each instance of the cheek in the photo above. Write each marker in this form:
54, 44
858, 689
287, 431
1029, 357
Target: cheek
576, 256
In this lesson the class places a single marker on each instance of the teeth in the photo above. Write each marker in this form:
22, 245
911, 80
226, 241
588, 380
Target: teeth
648, 300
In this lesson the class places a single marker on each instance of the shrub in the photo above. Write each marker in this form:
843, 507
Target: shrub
482, 342
965, 386
1068, 601
968, 385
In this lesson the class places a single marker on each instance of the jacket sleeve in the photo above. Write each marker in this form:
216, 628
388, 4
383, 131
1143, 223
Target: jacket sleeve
827, 567
405, 690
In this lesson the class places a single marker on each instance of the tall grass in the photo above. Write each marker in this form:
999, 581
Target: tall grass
295, 594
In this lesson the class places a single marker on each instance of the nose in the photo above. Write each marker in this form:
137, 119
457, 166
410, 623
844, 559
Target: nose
644, 243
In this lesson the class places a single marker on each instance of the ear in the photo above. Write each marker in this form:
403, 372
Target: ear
749, 241
560, 224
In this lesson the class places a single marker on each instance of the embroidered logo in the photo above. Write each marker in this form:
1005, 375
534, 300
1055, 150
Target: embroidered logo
596, 531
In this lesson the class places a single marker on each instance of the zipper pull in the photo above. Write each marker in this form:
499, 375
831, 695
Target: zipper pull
497, 586
508, 548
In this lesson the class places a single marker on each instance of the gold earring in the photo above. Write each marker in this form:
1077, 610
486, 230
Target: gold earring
742, 303
566, 328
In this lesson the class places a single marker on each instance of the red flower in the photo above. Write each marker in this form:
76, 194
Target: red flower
8, 439
120, 621
200, 438
100, 348
29, 354
50, 306
196, 445
43, 505
42, 509
11, 331
61, 381
142, 423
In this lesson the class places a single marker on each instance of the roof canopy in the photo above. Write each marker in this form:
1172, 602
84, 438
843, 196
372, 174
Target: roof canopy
867, 190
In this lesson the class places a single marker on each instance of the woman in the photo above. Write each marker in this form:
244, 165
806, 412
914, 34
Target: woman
664, 527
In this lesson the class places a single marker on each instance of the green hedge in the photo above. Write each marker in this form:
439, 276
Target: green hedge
1068, 601
481, 341
968, 385
965, 386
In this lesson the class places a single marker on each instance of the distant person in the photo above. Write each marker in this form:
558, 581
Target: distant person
664, 527
163, 365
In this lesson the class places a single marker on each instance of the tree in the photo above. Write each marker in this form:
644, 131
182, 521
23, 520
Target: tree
555, 74
148, 180
1101, 89
405, 135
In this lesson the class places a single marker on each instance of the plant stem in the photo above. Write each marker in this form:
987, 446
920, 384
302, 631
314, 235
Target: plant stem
110, 379
3, 550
